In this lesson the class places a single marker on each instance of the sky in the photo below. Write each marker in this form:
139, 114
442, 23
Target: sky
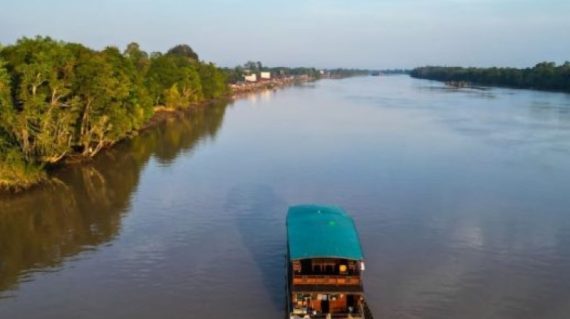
373, 34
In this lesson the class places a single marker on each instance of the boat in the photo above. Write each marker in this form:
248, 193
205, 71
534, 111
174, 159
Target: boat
324, 264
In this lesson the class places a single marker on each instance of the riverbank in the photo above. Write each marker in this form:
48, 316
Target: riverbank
65, 102
243, 88
19, 176
23, 176
545, 76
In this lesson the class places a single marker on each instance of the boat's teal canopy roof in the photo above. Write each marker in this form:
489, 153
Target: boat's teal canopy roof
315, 231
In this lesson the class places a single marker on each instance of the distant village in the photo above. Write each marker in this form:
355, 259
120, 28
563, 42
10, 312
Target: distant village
253, 76
266, 80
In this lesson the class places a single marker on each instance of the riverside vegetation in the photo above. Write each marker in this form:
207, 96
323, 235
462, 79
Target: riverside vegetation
63, 100
543, 76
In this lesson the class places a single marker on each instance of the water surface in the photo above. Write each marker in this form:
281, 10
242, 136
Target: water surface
461, 198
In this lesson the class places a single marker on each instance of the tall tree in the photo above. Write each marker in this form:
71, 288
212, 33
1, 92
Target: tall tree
15, 171
42, 118
138, 57
213, 81
174, 76
183, 50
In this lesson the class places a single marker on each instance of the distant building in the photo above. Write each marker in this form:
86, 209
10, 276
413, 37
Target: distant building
265, 75
250, 78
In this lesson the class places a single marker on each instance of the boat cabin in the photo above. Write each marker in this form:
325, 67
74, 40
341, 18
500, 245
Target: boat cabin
324, 264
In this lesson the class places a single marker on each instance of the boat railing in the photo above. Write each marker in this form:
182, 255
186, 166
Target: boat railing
337, 316
326, 280
365, 310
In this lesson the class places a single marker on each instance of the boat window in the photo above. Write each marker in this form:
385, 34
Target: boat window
306, 266
329, 269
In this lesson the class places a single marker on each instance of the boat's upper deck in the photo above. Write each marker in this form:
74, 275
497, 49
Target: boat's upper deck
315, 231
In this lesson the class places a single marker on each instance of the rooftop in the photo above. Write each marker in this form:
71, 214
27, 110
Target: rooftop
316, 231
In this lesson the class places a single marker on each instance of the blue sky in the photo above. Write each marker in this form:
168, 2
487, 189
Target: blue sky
321, 33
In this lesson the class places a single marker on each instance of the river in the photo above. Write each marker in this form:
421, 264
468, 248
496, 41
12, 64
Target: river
461, 198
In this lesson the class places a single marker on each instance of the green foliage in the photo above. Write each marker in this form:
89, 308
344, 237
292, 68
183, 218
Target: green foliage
41, 118
234, 75
5, 95
254, 67
213, 81
16, 172
59, 99
169, 73
345, 73
172, 97
103, 91
138, 57
543, 76
183, 50
311, 72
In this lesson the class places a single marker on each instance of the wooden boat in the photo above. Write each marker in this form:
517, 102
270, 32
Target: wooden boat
324, 264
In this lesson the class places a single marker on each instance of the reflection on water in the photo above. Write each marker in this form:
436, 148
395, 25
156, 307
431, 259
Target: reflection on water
254, 208
460, 198
254, 98
82, 208
436, 87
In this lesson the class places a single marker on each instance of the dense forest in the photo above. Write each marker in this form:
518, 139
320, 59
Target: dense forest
60, 100
543, 76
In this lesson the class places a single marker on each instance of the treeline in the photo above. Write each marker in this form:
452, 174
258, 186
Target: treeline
61, 99
345, 73
393, 71
543, 76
